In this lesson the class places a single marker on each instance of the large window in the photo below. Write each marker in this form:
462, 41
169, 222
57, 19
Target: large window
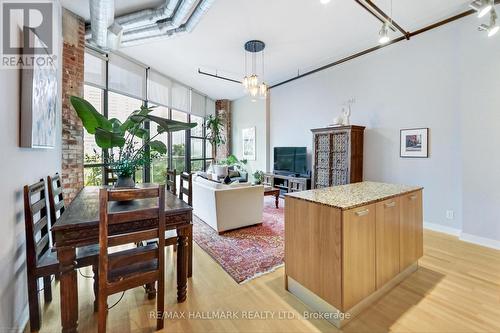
130, 86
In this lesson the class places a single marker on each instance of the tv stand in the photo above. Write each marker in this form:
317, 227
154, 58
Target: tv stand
287, 183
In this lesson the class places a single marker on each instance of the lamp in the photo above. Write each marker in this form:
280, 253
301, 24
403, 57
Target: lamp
492, 28
252, 84
384, 34
482, 7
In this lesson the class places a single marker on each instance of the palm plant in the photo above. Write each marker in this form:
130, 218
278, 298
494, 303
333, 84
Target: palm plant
214, 129
127, 141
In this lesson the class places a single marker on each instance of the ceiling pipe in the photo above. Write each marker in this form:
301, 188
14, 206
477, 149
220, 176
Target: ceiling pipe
102, 14
148, 16
163, 30
162, 27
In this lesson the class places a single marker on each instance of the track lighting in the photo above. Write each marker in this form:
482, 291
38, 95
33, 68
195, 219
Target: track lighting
482, 7
384, 34
493, 27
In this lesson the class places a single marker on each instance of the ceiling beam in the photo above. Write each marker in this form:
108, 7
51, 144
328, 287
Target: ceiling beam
373, 49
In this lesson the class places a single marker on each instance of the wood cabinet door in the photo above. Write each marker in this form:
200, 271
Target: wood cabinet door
411, 229
358, 254
387, 240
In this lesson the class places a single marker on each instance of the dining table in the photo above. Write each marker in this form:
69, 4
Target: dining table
78, 226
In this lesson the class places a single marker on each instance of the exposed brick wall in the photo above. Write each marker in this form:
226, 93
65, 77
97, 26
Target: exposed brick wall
72, 84
223, 110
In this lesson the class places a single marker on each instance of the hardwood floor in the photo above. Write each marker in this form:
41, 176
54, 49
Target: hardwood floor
456, 289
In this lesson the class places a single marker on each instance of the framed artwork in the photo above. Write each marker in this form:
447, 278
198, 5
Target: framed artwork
248, 137
414, 143
38, 106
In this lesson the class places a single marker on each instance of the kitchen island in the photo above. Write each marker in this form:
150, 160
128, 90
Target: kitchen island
345, 246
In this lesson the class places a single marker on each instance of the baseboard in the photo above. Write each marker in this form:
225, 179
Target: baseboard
442, 228
487, 242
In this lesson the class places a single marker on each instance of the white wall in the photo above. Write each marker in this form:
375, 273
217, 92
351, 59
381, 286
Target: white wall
447, 80
19, 166
246, 113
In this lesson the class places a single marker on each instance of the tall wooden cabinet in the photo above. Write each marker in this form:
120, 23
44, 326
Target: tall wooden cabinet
337, 156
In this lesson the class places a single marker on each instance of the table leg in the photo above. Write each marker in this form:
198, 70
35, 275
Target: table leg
182, 263
277, 200
190, 251
69, 289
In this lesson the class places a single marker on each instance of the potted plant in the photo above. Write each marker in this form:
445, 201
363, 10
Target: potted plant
214, 134
258, 177
127, 141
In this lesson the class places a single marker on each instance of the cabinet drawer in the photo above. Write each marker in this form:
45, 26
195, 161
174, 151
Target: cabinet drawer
358, 254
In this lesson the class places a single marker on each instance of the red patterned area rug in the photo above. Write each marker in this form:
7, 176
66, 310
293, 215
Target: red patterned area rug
249, 252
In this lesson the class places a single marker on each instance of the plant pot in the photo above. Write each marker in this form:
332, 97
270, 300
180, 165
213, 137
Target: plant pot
220, 170
125, 182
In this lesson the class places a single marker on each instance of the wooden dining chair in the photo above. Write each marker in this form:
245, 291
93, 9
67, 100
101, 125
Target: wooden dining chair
110, 176
41, 260
126, 269
56, 199
186, 188
171, 181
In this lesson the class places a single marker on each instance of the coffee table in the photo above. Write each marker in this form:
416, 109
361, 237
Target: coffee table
272, 191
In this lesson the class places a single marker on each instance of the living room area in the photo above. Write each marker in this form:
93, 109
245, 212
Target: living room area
291, 166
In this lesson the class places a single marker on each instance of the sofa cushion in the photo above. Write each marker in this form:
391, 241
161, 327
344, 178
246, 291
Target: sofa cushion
209, 183
233, 173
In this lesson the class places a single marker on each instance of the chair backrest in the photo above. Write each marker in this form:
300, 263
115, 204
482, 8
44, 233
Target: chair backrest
110, 176
149, 210
186, 187
171, 181
297, 185
36, 223
56, 199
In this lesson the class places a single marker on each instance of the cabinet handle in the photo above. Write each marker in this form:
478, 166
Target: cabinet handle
390, 204
413, 197
363, 212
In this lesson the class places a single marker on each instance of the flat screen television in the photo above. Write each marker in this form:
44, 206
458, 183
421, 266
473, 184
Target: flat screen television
290, 160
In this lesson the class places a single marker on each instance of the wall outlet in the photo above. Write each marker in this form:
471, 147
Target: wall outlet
450, 215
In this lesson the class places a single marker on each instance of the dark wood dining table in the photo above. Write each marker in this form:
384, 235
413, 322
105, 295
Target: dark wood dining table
79, 226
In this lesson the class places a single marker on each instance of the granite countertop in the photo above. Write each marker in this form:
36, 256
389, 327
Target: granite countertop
353, 195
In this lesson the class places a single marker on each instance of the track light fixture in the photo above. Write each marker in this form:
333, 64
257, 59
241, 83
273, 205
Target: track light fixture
482, 7
492, 28
384, 34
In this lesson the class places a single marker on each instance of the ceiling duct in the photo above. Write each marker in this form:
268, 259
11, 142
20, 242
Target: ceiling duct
172, 18
102, 14
165, 30
148, 16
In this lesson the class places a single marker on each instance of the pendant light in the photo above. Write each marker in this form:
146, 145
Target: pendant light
492, 28
383, 34
254, 85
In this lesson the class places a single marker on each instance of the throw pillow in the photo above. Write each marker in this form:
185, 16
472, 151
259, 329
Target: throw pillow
233, 173
227, 180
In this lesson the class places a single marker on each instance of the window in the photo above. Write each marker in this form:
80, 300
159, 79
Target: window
199, 156
159, 164
92, 152
120, 107
179, 144
116, 86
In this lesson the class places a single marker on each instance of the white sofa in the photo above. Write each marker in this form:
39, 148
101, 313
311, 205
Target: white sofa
227, 207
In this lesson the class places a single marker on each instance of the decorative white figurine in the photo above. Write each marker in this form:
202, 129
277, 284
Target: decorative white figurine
346, 112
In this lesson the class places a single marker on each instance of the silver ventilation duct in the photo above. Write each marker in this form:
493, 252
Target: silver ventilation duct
102, 15
172, 18
148, 16
164, 31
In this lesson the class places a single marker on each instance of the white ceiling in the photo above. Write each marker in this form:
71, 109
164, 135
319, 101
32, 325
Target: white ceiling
300, 35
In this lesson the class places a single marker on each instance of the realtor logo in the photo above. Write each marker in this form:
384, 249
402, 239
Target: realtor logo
27, 29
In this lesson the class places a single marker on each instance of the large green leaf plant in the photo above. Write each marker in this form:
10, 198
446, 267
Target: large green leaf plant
126, 142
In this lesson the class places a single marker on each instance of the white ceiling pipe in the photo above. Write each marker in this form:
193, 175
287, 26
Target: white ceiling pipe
193, 21
102, 14
159, 29
148, 16
164, 32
